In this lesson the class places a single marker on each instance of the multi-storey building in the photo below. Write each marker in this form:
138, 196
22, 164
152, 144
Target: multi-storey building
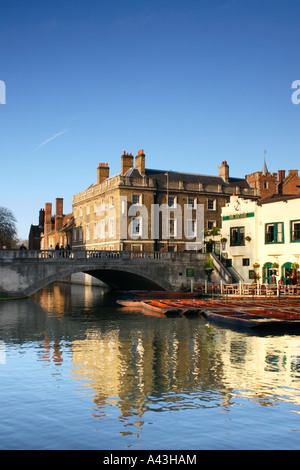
262, 237
151, 210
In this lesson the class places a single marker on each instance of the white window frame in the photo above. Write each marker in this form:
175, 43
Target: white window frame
214, 204
192, 202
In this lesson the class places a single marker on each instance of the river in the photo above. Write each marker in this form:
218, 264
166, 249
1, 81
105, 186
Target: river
77, 372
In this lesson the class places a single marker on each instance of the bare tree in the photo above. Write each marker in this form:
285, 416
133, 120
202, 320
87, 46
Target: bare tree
8, 230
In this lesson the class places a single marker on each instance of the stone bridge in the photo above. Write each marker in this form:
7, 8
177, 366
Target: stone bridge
23, 272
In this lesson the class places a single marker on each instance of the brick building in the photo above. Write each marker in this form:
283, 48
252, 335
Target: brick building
267, 184
57, 228
34, 238
144, 209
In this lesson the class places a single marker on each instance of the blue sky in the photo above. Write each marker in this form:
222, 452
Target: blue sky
192, 83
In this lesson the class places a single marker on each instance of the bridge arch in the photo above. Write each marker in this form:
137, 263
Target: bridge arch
117, 279
127, 280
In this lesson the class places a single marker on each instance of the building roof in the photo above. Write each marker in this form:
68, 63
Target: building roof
68, 222
160, 176
278, 198
265, 168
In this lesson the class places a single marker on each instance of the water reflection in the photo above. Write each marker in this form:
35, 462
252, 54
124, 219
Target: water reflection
132, 366
177, 360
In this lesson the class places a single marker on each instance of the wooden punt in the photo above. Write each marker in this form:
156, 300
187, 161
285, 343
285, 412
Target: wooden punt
158, 306
154, 306
144, 307
130, 303
185, 307
281, 314
244, 319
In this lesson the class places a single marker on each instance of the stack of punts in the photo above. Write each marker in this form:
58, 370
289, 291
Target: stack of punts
244, 312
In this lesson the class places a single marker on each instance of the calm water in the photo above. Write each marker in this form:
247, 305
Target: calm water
76, 372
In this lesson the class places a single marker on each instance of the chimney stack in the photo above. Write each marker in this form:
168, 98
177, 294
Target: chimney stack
140, 162
224, 171
59, 213
126, 162
48, 222
42, 218
281, 175
102, 172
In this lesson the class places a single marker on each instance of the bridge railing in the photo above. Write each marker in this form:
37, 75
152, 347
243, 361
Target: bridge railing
94, 254
35, 254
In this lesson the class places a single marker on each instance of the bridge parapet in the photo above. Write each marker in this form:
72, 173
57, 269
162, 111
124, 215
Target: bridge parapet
93, 254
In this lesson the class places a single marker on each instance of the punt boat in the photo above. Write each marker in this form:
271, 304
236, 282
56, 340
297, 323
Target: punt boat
153, 305
185, 308
244, 318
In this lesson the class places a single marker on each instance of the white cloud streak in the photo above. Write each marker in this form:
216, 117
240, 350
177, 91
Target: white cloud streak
55, 135
51, 138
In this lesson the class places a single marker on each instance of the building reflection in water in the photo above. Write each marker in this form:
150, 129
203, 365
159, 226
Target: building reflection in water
132, 367
156, 371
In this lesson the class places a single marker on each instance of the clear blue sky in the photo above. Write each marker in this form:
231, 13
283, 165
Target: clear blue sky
191, 82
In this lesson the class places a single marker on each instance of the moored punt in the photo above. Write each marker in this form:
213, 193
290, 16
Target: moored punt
280, 314
130, 303
185, 308
153, 306
143, 311
244, 319
145, 307
157, 306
